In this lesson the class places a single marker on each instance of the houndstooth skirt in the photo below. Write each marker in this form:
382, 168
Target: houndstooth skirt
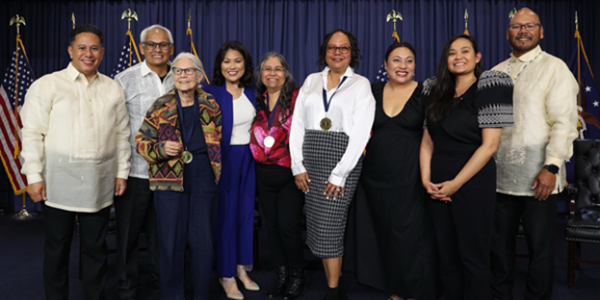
326, 218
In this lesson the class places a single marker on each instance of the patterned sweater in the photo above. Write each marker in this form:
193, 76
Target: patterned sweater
162, 124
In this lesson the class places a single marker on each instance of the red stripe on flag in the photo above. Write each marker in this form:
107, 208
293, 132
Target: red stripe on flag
8, 140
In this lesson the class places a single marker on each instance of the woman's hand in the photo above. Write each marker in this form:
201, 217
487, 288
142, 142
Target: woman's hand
302, 181
172, 148
333, 189
447, 189
434, 191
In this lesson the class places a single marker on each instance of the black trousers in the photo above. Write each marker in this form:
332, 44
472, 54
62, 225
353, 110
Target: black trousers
281, 204
135, 210
539, 221
59, 234
463, 232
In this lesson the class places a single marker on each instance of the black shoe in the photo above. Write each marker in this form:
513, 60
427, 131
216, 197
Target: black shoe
296, 285
332, 293
280, 284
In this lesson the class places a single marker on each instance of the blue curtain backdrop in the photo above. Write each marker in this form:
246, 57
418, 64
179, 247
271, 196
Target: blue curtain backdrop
295, 28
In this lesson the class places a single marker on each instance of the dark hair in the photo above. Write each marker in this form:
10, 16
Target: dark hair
247, 78
355, 56
285, 98
440, 100
397, 45
86, 28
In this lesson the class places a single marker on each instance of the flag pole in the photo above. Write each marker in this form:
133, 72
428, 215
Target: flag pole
466, 22
131, 14
395, 16
192, 47
73, 19
18, 20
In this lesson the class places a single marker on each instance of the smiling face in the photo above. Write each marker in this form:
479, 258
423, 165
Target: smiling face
184, 82
338, 61
462, 58
272, 74
400, 65
156, 57
86, 53
524, 40
233, 66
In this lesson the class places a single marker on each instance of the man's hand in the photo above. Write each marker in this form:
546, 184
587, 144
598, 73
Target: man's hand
544, 182
37, 191
120, 186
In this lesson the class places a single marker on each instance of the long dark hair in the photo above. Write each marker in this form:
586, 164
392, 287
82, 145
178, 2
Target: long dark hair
440, 100
248, 76
285, 97
355, 56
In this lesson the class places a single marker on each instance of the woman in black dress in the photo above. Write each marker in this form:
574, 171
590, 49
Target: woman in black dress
465, 115
390, 243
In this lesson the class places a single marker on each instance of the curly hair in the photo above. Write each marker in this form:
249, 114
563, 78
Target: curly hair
355, 56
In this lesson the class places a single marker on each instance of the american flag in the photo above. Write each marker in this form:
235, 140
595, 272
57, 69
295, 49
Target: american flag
128, 57
16, 82
588, 100
382, 75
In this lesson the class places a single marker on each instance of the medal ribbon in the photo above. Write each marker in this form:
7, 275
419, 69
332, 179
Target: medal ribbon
271, 115
186, 136
325, 102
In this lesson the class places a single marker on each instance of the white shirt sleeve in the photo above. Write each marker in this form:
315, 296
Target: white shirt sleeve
363, 115
297, 130
35, 115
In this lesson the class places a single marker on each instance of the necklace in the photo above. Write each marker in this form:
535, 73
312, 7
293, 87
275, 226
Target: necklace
508, 68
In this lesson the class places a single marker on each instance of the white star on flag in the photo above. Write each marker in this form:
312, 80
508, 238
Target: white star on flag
588, 89
596, 103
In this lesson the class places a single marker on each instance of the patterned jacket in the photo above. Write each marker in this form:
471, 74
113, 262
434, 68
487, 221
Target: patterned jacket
162, 124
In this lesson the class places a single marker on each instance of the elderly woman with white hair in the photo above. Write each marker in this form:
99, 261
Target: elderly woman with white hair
180, 140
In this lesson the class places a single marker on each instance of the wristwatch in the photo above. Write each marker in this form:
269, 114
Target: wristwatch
551, 168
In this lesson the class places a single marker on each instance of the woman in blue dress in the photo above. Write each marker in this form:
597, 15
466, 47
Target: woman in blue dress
232, 88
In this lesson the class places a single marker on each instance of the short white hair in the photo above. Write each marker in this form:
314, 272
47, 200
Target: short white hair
189, 56
155, 26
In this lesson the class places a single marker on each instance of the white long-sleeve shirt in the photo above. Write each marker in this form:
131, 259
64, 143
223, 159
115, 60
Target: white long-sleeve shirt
142, 87
75, 139
351, 111
545, 115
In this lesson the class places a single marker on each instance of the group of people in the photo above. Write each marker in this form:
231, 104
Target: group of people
419, 186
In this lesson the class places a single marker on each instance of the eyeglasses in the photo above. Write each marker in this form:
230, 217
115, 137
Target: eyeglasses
187, 71
529, 26
343, 49
151, 46
276, 70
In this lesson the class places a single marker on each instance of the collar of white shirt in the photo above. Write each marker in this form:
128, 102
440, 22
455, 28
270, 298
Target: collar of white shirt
527, 56
349, 73
73, 74
145, 70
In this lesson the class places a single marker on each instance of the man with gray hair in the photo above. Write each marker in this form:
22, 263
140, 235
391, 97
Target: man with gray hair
143, 84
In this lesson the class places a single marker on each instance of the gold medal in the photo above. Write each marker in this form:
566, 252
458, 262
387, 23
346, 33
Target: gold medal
269, 141
187, 157
325, 123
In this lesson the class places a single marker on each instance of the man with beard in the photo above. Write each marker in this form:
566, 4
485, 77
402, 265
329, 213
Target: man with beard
530, 158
